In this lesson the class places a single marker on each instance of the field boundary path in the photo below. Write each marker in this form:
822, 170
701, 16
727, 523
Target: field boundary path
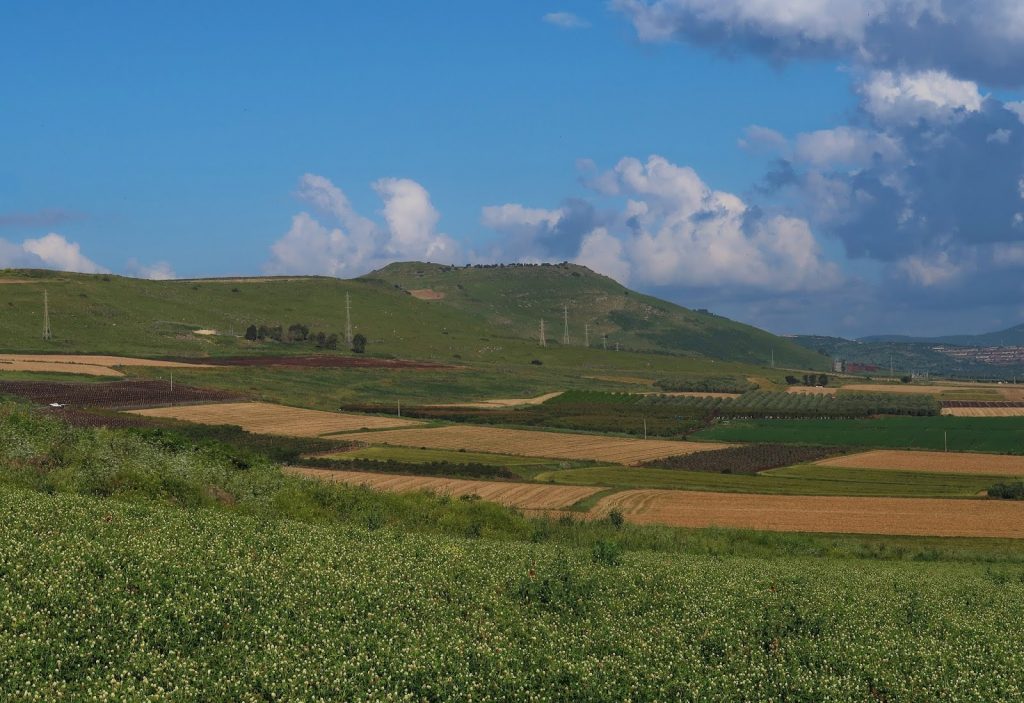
272, 419
525, 496
549, 445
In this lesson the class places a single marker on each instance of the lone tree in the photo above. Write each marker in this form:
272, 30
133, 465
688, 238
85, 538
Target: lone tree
359, 343
251, 333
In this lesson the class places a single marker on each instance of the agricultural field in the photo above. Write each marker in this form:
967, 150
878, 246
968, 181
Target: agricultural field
554, 445
116, 394
268, 418
1000, 435
524, 496
932, 462
382, 615
984, 411
863, 515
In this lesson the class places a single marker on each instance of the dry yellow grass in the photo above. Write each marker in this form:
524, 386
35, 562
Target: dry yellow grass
427, 294
812, 390
630, 380
267, 418
525, 496
501, 402
984, 412
97, 360
882, 516
14, 281
899, 388
50, 367
553, 445
931, 462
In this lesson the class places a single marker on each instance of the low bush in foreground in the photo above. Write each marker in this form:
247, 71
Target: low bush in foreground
1007, 491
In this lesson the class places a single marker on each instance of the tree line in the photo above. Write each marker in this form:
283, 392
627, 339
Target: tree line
299, 332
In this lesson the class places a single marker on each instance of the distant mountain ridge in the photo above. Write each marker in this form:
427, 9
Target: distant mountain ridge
1010, 337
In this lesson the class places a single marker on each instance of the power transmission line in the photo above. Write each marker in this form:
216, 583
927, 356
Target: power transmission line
586, 334
47, 332
565, 337
348, 320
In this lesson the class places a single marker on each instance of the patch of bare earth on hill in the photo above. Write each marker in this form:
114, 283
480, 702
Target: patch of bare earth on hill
427, 294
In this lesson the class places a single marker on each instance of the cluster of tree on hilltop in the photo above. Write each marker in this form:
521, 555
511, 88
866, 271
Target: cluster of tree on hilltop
298, 332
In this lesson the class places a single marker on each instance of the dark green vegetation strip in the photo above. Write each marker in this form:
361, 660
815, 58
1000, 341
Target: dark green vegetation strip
706, 384
1007, 491
1003, 435
428, 468
796, 480
746, 459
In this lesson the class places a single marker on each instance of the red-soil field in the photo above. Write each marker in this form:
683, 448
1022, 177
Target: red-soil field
325, 362
934, 517
115, 394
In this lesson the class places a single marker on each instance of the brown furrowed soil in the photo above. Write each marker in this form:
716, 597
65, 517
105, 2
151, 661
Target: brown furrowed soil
118, 395
553, 445
50, 367
325, 362
426, 294
936, 517
931, 462
268, 418
525, 496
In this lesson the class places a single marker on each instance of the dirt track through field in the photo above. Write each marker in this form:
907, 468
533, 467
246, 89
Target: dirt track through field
883, 516
553, 445
526, 496
95, 360
268, 418
499, 403
931, 462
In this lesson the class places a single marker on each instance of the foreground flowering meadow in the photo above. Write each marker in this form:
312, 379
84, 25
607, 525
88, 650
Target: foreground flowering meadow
107, 600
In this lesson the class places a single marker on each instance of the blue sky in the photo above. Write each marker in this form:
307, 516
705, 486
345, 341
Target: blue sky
686, 151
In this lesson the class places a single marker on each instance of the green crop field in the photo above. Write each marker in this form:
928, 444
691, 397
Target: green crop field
796, 480
1003, 435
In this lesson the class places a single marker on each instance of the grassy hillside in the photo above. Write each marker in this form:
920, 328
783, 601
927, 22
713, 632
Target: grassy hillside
487, 314
510, 300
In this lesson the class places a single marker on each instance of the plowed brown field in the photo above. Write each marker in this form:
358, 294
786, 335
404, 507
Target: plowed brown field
526, 496
50, 367
935, 517
267, 418
932, 462
553, 445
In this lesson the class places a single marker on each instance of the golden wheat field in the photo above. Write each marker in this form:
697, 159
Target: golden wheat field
499, 403
268, 418
73, 363
553, 445
931, 462
984, 412
936, 517
525, 496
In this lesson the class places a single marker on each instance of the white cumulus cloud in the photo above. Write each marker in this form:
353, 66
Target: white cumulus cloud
907, 97
51, 251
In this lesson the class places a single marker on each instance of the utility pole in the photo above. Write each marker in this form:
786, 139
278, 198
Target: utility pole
604, 342
47, 333
645, 428
586, 334
543, 341
773, 357
565, 337
172, 381
348, 320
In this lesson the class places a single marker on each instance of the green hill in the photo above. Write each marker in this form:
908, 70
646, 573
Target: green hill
510, 300
486, 313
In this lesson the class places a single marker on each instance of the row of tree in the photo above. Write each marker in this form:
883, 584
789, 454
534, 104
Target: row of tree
299, 332
809, 379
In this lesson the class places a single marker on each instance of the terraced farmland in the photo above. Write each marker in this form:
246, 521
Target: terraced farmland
525, 496
932, 462
268, 418
554, 445
938, 517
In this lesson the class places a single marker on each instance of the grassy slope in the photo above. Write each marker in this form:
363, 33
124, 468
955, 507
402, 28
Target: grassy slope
1003, 435
496, 322
511, 300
